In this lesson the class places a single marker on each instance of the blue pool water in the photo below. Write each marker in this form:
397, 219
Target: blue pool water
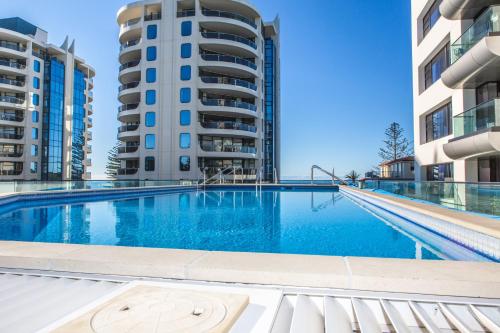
295, 222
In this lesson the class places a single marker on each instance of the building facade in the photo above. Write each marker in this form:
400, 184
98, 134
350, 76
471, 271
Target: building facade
401, 168
199, 90
45, 104
456, 88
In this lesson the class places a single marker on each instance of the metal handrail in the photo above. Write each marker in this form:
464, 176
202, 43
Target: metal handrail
217, 175
332, 174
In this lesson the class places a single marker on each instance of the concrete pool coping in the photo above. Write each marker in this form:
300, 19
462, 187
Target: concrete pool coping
450, 278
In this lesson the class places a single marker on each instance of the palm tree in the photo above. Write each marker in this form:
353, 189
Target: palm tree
352, 176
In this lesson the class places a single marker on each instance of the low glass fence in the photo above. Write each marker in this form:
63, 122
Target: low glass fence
472, 197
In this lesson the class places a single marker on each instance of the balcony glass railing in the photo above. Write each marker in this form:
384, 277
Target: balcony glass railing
12, 64
230, 15
128, 128
9, 135
128, 171
12, 45
130, 85
129, 65
228, 148
229, 103
225, 36
11, 117
128, 107
10, 153
487, 23
11, 82
11, 172
11, 99
230, 81
186, 13
128, 149
131, 22
130, 44
232, 125
227, 58
483, 116
152, 17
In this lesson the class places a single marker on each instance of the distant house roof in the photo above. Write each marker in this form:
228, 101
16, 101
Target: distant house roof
403, 159
17, 24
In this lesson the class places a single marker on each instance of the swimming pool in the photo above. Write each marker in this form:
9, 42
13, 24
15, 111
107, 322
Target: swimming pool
315, 222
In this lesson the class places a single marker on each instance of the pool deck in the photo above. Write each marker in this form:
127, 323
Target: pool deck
452, 278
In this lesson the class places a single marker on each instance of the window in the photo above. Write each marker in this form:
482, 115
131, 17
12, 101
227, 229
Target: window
149, 163
186, 50
150, 119
36, 66
185, 118
151, 75
150, 97
186, 28
438, 124
185, 141
34, 150
185, 73
34, 133
437, 66
152, 31
185, 163
151, 53
34, 167
35, 116
150, 141
487, 92
440, 172
36, 83
185, 95
36, 99
431, 17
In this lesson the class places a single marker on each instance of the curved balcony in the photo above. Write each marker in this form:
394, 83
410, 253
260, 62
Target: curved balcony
230, 103
463, 9
229, 15
131, 29
128, 132
128, 107
477, 132
130, 71
129, 152
235, 151
226, 108
128, 128
12, 67
127, 171
475, 56
227, 128
130, 51
127, 86
221, 85
15, 117
231, 37
12, 101
90, 109
130, 64
229, 65
129, 92
227, 43
89, 123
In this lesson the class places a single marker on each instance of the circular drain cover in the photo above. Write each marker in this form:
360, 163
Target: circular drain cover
161, 310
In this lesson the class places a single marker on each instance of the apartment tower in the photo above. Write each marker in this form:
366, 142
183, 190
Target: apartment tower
45, 96
199, 90
456, 87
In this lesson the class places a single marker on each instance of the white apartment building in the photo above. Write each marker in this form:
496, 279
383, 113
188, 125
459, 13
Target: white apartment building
45, 104
199, 90
456, 88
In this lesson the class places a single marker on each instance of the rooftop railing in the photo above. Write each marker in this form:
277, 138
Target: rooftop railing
482, 116
12, 45
230, 15
232, 125
485, 24
228, 58
129, 65
225, 36
12, 64
229, 103
230, 81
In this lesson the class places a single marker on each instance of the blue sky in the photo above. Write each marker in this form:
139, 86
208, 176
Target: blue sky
346, 73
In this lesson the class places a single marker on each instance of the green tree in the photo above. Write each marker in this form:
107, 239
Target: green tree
352, 176
396, 145
113, 163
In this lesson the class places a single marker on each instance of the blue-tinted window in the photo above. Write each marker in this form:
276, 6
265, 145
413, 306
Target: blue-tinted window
34, 133
151, 75
150, 141
151, 53
185, 163
186, 50
34, 167
78, 140
152, 31
150, 97
35, 116
34, 150
149, 163
185, 95
36, 83
185, 118
185, 141
186, 28
36, 99
185, 73
36, 66
150, 119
